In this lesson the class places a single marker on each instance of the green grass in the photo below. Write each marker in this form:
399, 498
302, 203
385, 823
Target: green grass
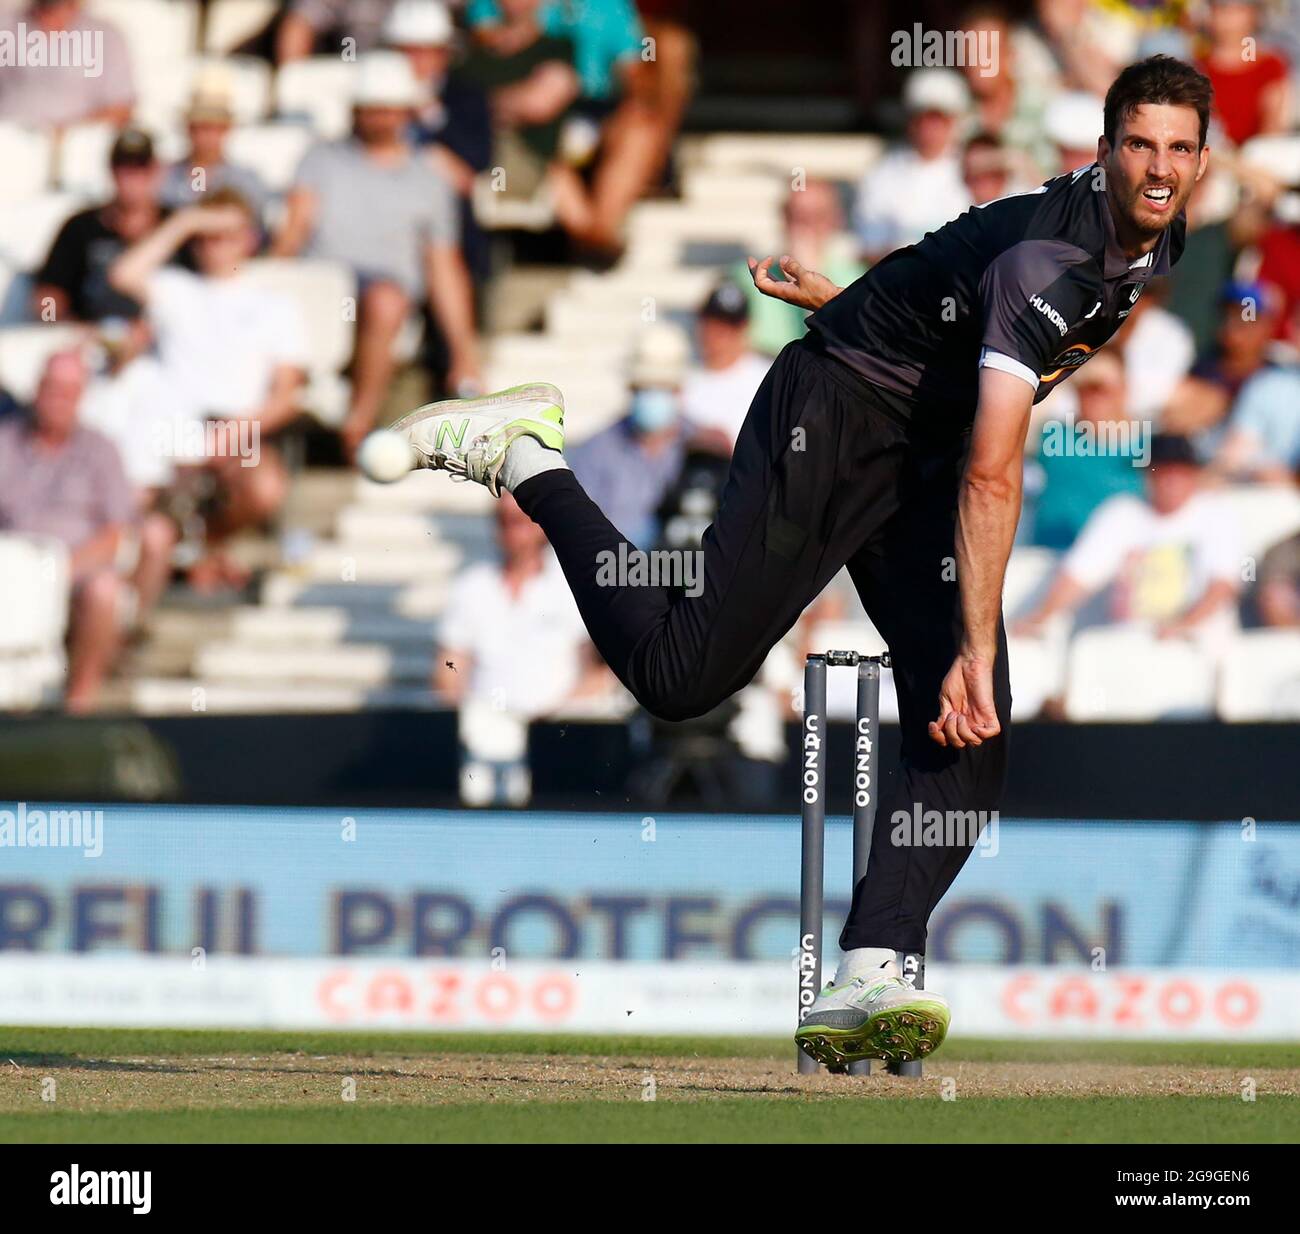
1167, 1120
35, 1044
389, 1109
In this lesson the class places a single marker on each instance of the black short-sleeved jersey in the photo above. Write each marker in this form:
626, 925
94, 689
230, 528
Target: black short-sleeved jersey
1033, 284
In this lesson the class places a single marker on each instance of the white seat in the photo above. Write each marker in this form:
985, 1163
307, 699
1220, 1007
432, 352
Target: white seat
1126, 673
1029, 574
156, 31
324, 291
35, 613
230, 22
318, 90
24, 351
1259, 678
32, 620
1265, 514
28, 228
26, 156
273, 151
1037, 673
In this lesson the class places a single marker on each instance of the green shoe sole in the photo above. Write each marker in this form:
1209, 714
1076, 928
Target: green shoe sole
899, 1035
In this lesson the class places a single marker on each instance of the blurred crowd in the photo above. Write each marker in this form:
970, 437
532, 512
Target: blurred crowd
173, 420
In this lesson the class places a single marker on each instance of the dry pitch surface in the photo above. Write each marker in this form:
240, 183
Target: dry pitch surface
109, 1085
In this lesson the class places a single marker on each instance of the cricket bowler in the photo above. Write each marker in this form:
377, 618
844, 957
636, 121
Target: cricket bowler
889, 440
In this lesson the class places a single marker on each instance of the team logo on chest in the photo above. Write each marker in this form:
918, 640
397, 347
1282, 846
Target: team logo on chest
1127, 298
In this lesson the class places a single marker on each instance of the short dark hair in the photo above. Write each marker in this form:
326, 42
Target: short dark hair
1157, 79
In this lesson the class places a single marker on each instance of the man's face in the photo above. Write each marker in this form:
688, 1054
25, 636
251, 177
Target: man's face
427, 63
932, 132
221, 253
1230, 21
59, 395
1154, 165
720, 341
985, 174
516, 532
208, 137
381, 125
137, 186
1172, 485
1101, 398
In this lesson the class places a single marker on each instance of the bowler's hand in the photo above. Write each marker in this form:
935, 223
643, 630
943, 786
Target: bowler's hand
967, 713
805, 288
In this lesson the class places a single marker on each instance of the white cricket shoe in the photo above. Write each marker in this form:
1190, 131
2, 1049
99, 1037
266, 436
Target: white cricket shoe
880, 1015
469, 437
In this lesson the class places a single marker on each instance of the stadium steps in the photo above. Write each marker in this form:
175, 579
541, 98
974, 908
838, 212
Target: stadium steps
368, 665
182, 697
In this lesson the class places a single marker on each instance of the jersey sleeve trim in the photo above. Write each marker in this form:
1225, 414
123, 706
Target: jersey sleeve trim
1006, 364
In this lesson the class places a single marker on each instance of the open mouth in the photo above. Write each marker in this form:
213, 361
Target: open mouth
1158, 197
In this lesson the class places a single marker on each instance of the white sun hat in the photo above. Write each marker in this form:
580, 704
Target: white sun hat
385, 79
419, 23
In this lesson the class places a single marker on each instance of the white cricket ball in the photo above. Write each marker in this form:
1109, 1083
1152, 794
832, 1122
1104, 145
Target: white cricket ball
386, 457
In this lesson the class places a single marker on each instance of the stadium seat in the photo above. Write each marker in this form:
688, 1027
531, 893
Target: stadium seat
1029, 574
1126, 673
28, 228
156, 31
272, 150
323, 291
24, 350
317, 90
32, 620
830, 156
1259, 678
26, 156
230, 22
1265, 515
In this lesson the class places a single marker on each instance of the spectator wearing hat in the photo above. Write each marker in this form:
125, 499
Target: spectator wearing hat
379, 205
311, 26
61, 480
73, 284
1170, 557
719, 389
814, 235
916, 187
99, 89
1203, 401
1072, 124
1075, 483
204, 169
453, 119
629, 467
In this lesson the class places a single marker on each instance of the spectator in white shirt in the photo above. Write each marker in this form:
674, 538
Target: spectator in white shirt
1173, 560
233, 357
1159, 352
719, 389
511, 648
917, 187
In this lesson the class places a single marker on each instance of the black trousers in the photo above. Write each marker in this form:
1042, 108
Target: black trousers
825, 474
